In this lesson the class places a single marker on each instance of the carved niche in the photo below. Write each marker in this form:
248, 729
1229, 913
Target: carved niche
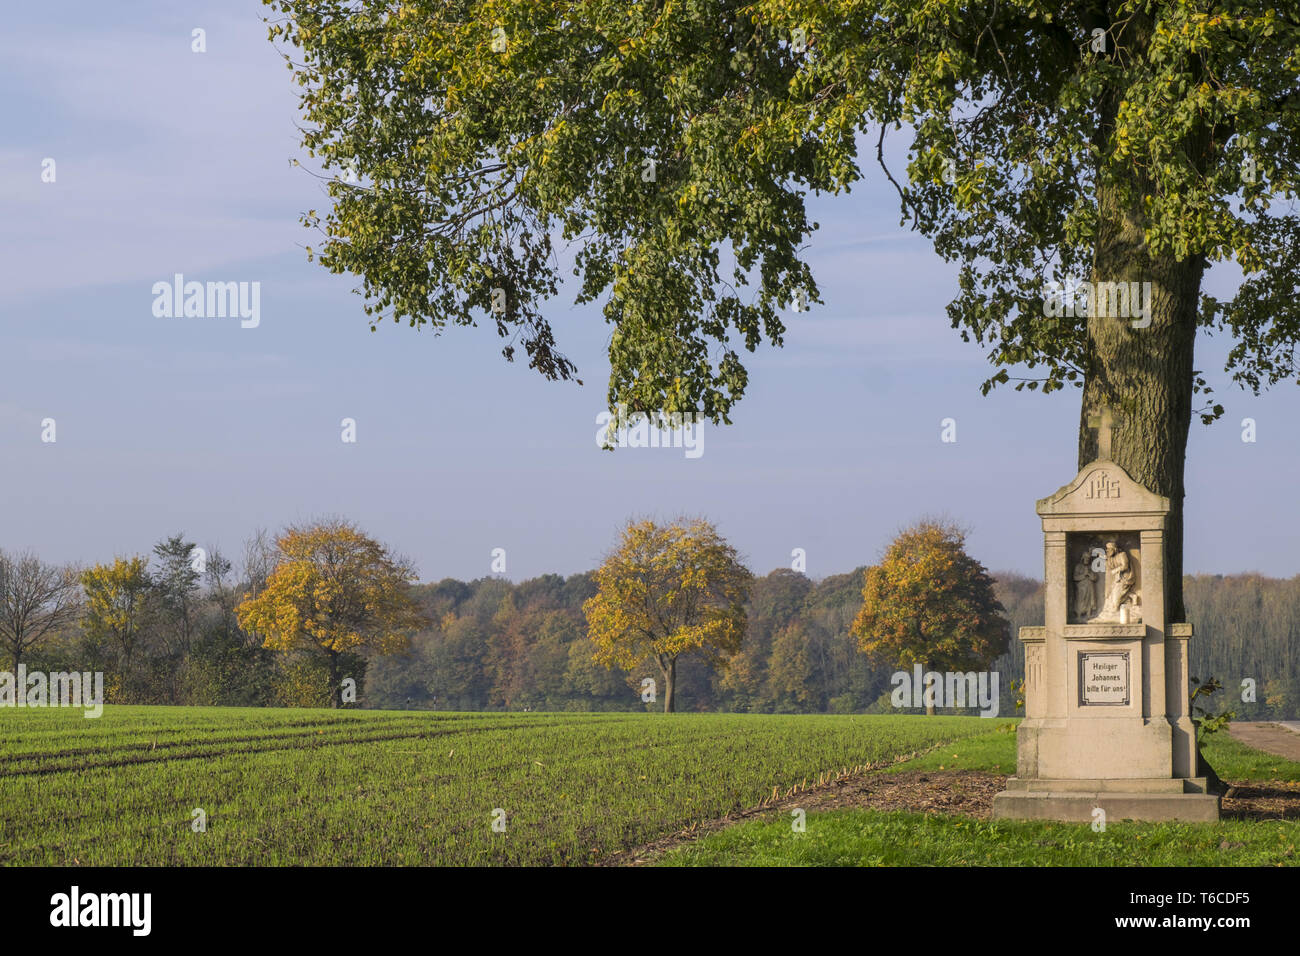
1105, 579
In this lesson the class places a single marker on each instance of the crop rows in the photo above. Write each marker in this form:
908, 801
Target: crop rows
287, 787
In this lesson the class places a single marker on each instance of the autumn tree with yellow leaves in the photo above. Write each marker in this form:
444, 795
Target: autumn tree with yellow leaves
334, 591
116, 599
928, 602
665, 591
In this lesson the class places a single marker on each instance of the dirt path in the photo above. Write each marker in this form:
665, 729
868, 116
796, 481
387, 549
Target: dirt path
1267, 737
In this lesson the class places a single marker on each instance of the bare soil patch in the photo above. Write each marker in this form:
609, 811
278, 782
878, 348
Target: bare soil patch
1275, 800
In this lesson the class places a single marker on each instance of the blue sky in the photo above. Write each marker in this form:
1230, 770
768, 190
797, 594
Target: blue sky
170, 161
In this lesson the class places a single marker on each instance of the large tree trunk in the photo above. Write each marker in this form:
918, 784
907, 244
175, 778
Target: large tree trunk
670, 686
336, 692
1144, 375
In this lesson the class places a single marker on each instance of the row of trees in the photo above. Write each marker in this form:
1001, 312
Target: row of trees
324, 615
308, 616
179, 626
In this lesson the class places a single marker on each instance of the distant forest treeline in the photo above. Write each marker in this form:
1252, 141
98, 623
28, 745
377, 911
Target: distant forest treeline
496, 645
504, 646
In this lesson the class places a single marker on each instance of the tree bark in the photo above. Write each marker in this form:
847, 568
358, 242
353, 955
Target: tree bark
670, 685
1144, 375
336, 692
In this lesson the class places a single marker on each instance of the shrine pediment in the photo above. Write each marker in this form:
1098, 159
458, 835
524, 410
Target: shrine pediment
1103, 487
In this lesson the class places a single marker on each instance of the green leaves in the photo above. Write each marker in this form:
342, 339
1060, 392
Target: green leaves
479, 163
928, 602
486, 168
667, 590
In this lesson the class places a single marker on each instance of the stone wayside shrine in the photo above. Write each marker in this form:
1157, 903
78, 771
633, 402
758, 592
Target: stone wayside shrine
1107, 720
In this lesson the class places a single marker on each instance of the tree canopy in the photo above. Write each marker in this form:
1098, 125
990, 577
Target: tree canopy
482, 129
928, 602
334, 591
668, 590
117, 596
664, 152
36, 599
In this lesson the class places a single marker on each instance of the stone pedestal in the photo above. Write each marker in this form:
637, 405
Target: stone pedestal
1106, 687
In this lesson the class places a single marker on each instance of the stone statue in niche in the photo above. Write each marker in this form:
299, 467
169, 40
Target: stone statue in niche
1121, 604
1119, 578
1085, 588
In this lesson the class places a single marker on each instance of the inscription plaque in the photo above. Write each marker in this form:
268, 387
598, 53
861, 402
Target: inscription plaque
1103, 678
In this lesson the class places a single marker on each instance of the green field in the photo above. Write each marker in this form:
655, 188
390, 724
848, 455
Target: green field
869, 838
319, 787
